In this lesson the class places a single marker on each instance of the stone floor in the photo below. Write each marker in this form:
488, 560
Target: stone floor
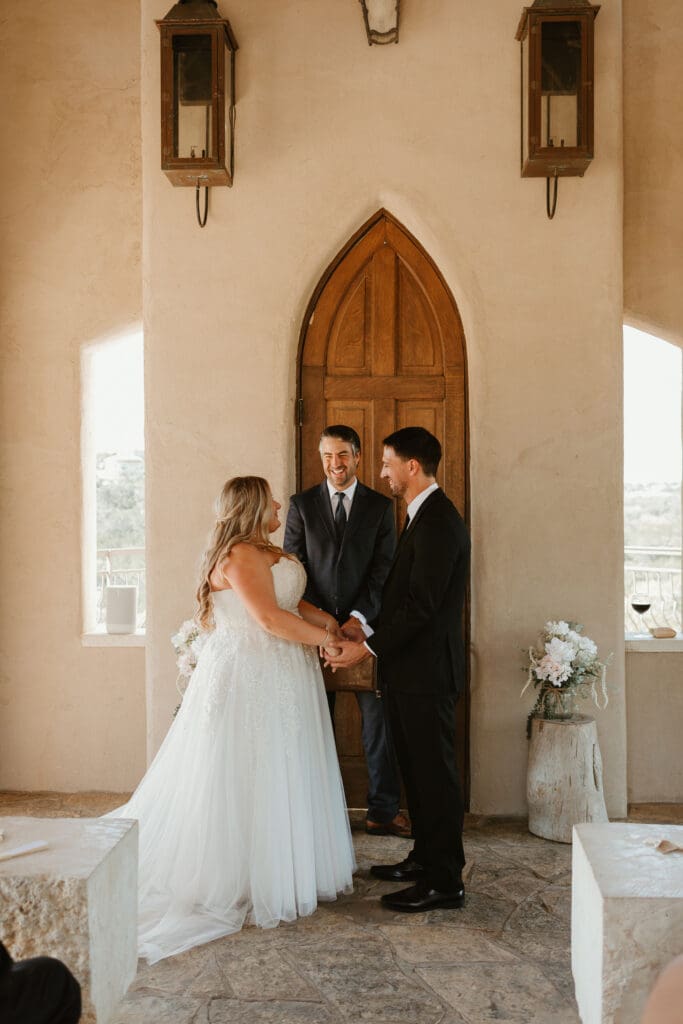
505, 957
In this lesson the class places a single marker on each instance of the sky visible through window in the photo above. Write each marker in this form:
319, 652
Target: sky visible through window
652, 409
118, 395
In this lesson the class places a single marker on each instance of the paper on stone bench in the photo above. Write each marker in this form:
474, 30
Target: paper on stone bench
667, 846
19, 851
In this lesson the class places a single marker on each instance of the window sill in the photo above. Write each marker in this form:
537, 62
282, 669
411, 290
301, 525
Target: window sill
100, 638
644, 643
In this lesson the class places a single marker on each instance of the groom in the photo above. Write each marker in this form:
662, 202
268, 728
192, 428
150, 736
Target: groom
418, 644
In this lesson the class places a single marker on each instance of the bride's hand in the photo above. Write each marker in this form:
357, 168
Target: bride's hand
333, 630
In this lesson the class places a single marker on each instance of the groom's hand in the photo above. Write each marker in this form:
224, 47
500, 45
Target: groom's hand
353, 630
350, 653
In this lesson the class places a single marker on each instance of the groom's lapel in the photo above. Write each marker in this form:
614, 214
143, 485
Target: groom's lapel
420, 512
413, 525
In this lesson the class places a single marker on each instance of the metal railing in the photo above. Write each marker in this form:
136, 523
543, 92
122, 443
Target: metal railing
655, 571
121, 567
662, 582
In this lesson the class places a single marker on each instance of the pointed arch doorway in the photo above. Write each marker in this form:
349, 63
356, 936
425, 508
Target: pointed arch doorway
382, 347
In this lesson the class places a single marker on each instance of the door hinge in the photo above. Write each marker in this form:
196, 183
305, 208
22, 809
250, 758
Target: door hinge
299, 412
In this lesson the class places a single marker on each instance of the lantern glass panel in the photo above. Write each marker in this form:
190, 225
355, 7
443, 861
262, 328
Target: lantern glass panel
229, 76
193, 97
560, 83
525, 98
382, 16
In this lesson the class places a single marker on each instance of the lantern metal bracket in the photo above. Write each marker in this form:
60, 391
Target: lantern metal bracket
202, 220
550, 208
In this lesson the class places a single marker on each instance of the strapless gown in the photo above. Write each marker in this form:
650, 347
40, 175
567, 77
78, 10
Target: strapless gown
242, 814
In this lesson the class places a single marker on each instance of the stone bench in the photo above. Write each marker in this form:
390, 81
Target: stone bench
75, 900
627, 916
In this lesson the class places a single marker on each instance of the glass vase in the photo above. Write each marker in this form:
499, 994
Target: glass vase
558, 703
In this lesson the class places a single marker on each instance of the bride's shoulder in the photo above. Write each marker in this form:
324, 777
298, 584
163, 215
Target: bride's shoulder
245, 553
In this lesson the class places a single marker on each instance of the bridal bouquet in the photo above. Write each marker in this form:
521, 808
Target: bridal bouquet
187, 643
564, 665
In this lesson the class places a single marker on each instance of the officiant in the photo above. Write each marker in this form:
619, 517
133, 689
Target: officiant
344, 535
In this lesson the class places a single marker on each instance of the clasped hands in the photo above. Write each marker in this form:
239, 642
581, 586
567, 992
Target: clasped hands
347, 647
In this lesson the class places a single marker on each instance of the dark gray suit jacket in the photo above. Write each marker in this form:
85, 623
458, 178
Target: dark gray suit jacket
350, 578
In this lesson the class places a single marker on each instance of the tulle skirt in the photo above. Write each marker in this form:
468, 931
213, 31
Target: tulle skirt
242, 814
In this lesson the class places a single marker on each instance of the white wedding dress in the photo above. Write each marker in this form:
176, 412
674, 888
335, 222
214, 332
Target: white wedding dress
242, 813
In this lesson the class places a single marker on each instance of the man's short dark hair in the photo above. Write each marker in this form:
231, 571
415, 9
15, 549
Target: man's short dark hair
343, 433
416, 443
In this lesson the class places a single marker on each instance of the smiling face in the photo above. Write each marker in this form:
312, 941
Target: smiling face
274, 523
396, 471
340, 462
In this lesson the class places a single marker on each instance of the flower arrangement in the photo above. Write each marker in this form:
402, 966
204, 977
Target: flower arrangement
564, 665
187, 643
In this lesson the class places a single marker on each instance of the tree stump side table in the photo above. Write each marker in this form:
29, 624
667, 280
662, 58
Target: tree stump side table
564, 778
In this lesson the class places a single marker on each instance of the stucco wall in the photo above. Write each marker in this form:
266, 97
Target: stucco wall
328, 130
70, 718
653, 166
654, 697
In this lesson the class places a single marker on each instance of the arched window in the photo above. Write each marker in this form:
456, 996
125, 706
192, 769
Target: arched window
652, 482
113, 454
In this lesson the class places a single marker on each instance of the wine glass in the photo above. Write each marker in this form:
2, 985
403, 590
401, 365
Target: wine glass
640, 603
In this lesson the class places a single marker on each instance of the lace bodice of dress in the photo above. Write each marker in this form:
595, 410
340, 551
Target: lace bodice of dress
289, 579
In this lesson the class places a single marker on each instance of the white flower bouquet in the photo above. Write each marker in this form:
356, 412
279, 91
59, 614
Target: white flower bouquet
564, 665
187, 643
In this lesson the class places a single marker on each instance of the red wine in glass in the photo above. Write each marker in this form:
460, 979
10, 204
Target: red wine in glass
641, 603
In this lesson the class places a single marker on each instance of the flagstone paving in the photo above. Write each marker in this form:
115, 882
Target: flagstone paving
504, 957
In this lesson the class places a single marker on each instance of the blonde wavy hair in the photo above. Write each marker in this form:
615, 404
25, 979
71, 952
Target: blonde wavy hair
244, 509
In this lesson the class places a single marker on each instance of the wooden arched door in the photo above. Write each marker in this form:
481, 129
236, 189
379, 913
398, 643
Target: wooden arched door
382, 347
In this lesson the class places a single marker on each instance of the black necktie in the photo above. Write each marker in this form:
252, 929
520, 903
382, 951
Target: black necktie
405, 526
340, 516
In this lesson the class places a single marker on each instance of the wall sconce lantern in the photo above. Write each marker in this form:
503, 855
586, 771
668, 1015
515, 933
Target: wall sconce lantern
381, 20
197, 97
556, 39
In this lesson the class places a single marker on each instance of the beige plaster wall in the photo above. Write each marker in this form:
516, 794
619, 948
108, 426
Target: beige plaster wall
70, 718
328, 130
654, 696
653, 166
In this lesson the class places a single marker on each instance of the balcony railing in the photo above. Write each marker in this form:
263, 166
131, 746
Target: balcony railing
651, 570
121, 567
654, 571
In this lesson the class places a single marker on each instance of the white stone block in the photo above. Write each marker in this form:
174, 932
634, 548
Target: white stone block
627, 916
75, 900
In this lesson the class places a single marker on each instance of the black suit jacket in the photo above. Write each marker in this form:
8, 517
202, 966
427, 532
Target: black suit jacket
418, 635
350, 577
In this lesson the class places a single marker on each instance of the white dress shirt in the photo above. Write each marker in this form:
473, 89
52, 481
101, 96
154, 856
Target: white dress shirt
348, 496
418, 500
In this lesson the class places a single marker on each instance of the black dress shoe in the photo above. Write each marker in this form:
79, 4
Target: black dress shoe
420, 897
407, 871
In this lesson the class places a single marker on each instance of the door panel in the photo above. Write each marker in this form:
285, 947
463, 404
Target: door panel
382, 347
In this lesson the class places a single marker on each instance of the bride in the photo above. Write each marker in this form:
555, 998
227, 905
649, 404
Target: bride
242, 814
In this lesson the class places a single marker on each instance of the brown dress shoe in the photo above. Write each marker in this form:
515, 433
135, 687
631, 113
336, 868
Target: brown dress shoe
398, 826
